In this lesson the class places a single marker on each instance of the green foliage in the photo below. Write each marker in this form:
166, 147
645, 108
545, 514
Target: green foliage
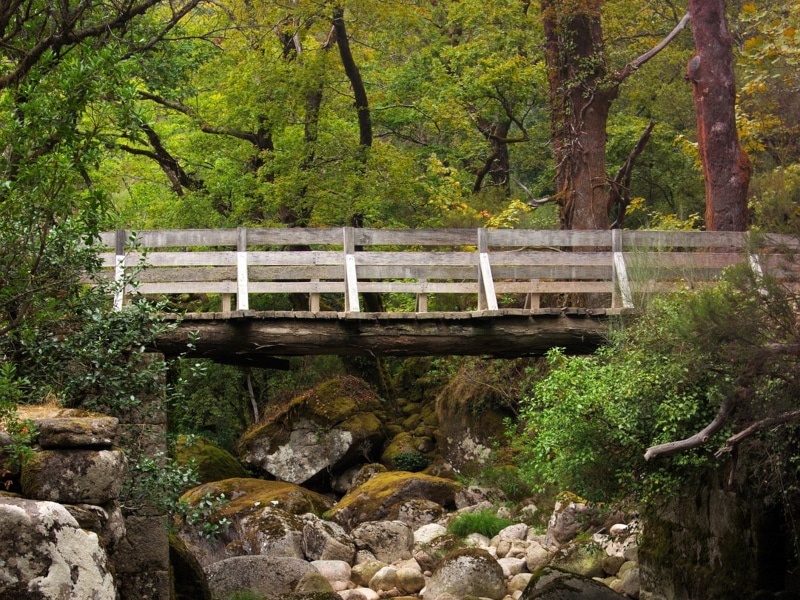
201, 515
156, 483
410, 461
588, 422
506, 478
485, 522
20, 433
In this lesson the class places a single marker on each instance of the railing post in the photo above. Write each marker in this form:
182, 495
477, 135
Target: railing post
487, 298
242, 297
621, 294
119, 269
350, 279
422, 297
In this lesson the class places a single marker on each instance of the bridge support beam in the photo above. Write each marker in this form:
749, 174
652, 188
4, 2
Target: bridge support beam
256, 337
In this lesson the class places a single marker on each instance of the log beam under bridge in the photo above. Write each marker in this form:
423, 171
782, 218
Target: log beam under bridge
255, 338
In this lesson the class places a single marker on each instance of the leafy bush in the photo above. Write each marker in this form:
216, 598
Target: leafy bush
410, 461
588, 422
485, 522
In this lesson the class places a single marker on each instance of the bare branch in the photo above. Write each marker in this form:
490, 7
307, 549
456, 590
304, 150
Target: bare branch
619, 191
781, 419
634, 65
533, 202
698, 439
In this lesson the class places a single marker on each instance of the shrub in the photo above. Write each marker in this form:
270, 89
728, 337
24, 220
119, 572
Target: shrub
410, 461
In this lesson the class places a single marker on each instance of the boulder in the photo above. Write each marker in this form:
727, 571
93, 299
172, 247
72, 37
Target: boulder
580, 559
474, 495
313, 583
409, 580
387, 540
70, 427
74, 476
362, 573
467, 572
271, 532
211, 462
45, 555
326, 540
416, 512
571, 515
469, 423
265, 575
375, 498
359, 593
336, 572
324, 431
106, 521
553, 584
427, 533
384, 580
261, 516
248, 495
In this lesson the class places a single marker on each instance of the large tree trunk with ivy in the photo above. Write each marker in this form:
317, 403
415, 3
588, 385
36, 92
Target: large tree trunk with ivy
726, 167
581, 94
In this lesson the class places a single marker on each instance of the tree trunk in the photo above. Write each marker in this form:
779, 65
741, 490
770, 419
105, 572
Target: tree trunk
726, 167
580, 98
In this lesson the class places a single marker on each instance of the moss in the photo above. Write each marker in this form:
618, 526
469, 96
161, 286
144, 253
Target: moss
249, 495
212, 463
31, 475
329, 404
375, 497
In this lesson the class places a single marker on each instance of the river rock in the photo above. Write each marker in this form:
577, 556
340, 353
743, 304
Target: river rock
45, 555
467, 572
336, 572
362, 573
384, 580
387, 540
74, 476
416, 512
326, 430
570, 516
266, 575
553, 584
326, 540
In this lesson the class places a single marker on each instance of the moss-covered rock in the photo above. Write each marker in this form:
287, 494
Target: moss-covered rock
549, 583
240, 517
248, 495
319, 433
469, 421
211, 462
467, 572
374, 499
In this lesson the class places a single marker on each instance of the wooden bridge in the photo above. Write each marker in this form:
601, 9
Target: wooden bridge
510, 282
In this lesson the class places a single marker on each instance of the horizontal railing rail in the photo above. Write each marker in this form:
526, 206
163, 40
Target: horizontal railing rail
486, 263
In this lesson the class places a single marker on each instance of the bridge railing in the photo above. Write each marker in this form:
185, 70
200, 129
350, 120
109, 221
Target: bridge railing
486, 263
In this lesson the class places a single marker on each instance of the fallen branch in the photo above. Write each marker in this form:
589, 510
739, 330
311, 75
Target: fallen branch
698, 439
735, 439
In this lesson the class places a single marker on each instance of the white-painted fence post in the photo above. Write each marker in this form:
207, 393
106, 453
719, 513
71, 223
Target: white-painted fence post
242, 294
119, 269
350, 278
621, 295
487, 298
